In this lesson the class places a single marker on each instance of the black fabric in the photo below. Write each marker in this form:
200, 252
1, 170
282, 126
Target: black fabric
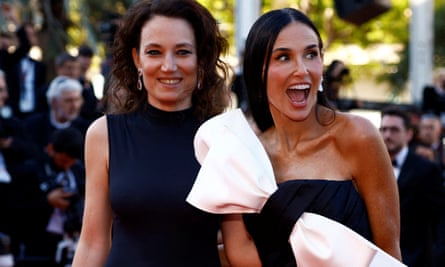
336, 200
152, 169
422, 212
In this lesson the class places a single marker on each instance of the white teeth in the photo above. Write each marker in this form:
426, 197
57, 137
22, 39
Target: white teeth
300, 87
170, 81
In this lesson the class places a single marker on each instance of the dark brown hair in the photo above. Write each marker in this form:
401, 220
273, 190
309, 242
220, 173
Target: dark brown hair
258, 49
212, 97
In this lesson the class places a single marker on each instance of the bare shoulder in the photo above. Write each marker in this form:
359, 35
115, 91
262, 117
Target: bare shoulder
96, 140
356, 130
98, 129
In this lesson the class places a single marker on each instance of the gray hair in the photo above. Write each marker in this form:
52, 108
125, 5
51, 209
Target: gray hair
2, 74
61, 84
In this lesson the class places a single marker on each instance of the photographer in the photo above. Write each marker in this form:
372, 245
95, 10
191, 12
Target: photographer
49, 194
434, 96
15, 148
336, 76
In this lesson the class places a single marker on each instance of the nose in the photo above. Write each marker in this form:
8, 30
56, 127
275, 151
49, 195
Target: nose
300, 67
169, 63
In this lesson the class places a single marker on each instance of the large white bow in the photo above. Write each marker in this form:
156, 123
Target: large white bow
236, 176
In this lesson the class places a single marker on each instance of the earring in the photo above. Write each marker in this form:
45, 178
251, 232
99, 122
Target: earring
198, 85
139, 83
320, 87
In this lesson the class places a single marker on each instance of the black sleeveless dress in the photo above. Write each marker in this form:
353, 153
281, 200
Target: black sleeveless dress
336, 200
152, 169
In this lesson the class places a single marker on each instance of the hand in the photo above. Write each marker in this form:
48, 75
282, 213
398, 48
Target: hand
58, 198
5, 142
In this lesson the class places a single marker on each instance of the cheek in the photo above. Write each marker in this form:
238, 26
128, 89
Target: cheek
275, 76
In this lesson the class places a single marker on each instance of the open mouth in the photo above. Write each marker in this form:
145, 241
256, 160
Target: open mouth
298, 93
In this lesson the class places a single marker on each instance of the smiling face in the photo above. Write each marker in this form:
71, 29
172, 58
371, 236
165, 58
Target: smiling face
295, 71
167, 57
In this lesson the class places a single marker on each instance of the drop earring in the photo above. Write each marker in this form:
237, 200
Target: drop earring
320, 87
139, 83
198, 85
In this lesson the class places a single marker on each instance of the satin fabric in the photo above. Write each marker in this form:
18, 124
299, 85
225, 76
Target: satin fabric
236, 176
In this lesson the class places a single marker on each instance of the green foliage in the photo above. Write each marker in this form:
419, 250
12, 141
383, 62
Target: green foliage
85, 20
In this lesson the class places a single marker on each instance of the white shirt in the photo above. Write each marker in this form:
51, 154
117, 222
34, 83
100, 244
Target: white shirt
400, 159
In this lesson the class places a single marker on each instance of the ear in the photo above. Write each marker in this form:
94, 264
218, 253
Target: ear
134, 53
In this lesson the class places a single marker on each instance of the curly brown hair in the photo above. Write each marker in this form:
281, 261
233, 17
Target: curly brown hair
212, 96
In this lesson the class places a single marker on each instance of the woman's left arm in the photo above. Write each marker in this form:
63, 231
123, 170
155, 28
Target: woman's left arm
373, 175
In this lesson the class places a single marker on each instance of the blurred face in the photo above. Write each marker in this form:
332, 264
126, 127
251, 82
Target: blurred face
394, 134
440, 80
84, 63
63, 161
70, 69
3, 92
168, 60
67, 106
295, 72
430, 130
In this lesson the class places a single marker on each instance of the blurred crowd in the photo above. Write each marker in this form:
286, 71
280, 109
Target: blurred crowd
43, 120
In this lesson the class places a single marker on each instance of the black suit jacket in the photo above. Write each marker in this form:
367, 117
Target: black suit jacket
39, 86
422, 209
32, 211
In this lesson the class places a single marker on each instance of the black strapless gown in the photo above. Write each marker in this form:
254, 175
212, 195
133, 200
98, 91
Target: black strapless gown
336, 200
152, 169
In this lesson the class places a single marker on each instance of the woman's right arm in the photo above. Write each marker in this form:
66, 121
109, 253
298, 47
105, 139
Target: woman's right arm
238, 245
95, 239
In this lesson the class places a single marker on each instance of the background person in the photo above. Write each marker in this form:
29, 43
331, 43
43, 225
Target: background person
48, 199
421, 194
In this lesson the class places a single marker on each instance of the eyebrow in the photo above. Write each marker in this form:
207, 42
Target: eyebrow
177, 45
284, 49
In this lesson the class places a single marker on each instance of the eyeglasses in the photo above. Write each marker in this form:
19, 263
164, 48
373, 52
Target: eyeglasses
391, 129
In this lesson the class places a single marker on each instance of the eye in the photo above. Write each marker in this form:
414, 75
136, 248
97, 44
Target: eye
183, 52
312, 54
153, 52
282, 57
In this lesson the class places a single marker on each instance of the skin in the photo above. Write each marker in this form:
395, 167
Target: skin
394, 134
299, 143
430, 130
58, 198
67, 106
70, 69
168, 61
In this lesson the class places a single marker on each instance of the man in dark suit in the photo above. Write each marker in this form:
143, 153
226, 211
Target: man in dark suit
27, 83
48, 198
421, 193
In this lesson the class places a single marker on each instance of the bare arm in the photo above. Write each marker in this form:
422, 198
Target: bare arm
374, 177
95, 238
239, 246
